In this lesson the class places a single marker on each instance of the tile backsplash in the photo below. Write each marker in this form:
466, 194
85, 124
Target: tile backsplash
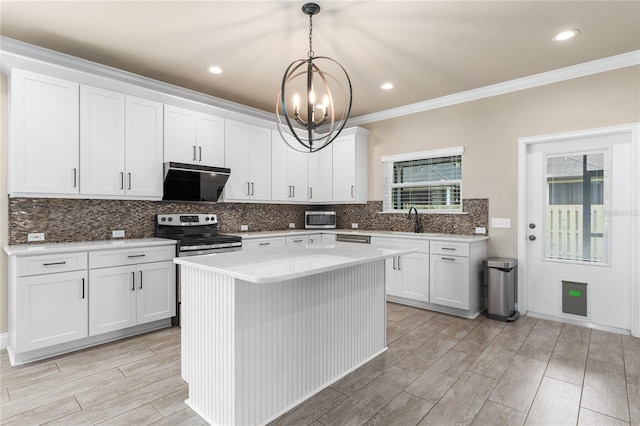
68, 220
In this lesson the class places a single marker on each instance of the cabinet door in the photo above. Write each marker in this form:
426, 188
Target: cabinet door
315, 238
179, 135
344, 160
156, 291
143, 147
280, 184
112, 299
51, 309
320, 175
210, 140
101, 141
260, 160
392, 277
236, 149
449, 281
415, 276
298, 171
44, 136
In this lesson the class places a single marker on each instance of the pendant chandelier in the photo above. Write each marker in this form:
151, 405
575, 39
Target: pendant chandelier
314, 104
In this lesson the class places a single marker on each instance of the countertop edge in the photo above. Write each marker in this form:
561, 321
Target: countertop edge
385, 234
53, 248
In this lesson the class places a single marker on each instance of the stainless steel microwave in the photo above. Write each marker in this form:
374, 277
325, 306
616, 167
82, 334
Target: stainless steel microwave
320, 220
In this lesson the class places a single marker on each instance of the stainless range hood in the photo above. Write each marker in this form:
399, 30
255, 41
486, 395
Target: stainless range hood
191, 182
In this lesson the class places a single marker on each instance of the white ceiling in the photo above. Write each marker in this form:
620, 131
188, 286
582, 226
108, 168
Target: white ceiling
428, 49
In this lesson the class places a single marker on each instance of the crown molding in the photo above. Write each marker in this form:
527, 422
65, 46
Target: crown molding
575, 71
12, 51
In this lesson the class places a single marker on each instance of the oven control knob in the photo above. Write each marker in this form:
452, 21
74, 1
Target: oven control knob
163, 219
170, 219
206, 219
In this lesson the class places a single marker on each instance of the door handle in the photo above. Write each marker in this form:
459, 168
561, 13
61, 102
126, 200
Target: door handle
194, 153
75, 177
121, 180
83, 288
248, 188
352, 191
200, 153
310, 192
252, 192
394, 263
294, 191
133, 281
129, 177
140, 280
399, 268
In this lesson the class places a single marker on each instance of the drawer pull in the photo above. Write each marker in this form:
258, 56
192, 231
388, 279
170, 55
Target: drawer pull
133, 281
448, 258
53, 263
449, 248
137, 255
297, 241
264, 244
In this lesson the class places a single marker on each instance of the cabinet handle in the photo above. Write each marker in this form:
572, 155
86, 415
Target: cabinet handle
294, 191
399, 268
137, 255
264, 244
194, 153
297, 241
200, 153
252, 188
133, 281
448, 258
83, 288
248, 188
53, 263
289, 191
310, 192
352, 191
140, 280
394, 263
448, 248
121, 180
75, 177
129, 177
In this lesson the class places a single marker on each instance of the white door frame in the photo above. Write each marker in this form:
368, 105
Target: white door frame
523, 144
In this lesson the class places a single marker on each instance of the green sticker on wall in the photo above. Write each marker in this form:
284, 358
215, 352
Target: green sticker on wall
575, 293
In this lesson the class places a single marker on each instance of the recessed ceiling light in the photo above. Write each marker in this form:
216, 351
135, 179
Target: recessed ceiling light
215, 70
566, 35
387, 86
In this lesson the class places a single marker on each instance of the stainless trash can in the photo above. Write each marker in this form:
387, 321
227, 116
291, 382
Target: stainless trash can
500, 277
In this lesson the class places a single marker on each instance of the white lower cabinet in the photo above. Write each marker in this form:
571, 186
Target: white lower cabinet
52, 309
297, 240
407, 276
125, 296
450, 281
315, 238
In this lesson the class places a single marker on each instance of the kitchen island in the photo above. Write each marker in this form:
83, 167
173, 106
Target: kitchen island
263, 331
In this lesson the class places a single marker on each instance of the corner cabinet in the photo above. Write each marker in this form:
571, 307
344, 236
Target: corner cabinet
248, 155
193, 137
350, 166
65, 301
44, 135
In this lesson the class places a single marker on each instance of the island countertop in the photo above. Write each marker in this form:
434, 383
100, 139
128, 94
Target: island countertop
286, 263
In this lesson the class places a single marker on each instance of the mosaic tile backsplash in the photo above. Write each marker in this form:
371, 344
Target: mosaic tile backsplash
68, 220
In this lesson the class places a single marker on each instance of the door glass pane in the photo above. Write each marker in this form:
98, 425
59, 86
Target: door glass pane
575, 225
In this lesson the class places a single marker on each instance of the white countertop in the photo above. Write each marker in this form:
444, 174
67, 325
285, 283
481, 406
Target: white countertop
396, 234
286, 263
52, 248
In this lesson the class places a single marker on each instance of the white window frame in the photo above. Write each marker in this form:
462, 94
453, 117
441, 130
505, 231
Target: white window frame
388, 162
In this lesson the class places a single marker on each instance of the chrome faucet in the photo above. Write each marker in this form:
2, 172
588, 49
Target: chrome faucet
417, 226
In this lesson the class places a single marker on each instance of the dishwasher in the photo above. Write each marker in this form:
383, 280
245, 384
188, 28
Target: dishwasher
353, 238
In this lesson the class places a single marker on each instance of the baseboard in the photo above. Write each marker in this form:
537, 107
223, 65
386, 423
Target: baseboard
4, 341
582, 323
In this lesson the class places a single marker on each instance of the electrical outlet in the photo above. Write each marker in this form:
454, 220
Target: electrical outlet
35, 236
117, 234
354, 225
500, 222
244, 227
481, 230
292, 225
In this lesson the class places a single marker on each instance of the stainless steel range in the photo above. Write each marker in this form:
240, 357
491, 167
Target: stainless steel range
197, 234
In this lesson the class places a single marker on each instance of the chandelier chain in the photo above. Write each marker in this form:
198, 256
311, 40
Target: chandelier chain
311, 52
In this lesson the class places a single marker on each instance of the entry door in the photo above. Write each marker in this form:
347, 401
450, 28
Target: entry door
578, 217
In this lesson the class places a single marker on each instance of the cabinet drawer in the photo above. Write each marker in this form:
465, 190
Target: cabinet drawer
421, 245
452, 249
51, 263
259, 243
298, 240
120, 257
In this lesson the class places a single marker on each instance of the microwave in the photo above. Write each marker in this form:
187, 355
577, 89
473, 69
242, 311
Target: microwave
316, 219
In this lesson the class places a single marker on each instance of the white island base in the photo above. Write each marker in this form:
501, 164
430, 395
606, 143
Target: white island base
253, 350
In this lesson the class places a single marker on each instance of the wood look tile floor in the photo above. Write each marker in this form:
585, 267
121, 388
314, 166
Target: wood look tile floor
438, 370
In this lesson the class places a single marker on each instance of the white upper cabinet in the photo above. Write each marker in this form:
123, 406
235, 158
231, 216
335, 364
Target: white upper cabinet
248, 155
102, 142
120, 144
44, 149
288, 171
350, 167
143, 133
321, 176
193, 137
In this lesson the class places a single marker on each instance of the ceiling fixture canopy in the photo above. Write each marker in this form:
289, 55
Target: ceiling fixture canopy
314, 104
